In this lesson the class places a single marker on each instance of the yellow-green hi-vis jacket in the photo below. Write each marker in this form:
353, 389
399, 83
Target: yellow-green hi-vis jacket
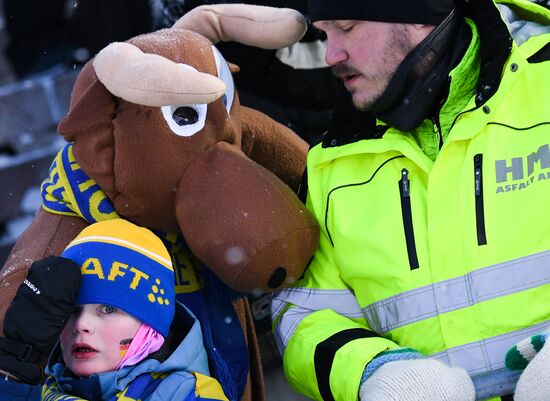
450, 257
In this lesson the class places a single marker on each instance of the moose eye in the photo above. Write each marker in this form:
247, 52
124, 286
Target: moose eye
185, 120
225, 75
185, 116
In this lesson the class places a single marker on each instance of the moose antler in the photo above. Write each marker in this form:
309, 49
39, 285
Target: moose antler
153, 80
258, 26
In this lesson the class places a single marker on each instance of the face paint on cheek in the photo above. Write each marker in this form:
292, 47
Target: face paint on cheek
124, 345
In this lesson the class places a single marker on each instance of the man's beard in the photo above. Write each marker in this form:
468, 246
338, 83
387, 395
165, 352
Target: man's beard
397, 48
342, 70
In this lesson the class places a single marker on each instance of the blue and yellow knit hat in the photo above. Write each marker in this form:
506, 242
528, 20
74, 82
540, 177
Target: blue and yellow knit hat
127, 267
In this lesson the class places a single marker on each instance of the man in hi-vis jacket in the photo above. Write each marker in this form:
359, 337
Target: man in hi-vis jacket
434, 257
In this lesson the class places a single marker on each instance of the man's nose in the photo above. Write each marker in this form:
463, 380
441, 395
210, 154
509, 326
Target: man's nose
335, 53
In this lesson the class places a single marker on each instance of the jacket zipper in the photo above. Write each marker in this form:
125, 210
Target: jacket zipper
405, 191
478, 187
437, 132
435, 119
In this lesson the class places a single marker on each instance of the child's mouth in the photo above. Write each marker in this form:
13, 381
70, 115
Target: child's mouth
82, 351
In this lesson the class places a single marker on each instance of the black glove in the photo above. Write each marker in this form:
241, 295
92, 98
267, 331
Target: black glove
37, 315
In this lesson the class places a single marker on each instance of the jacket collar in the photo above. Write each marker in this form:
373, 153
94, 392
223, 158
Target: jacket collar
495, 45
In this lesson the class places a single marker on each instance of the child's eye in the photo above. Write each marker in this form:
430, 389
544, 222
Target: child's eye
107, 309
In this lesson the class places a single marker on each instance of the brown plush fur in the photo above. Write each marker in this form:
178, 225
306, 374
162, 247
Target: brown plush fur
225, 200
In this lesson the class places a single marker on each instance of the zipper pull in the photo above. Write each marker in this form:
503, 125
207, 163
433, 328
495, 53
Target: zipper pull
406, 212
480, 208
477, 175
404, 182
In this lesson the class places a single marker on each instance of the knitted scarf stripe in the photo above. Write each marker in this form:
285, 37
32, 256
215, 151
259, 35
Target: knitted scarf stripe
69, 191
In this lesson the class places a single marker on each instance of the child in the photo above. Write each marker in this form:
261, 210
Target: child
127, 338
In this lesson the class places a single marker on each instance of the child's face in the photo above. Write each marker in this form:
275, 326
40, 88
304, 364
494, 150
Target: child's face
96, 338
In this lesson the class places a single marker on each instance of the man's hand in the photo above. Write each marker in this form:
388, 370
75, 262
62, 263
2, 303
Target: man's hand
533, 355
417, 380
38, 313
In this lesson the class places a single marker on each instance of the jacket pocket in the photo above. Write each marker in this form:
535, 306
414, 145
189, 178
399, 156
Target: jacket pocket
405, 191
478, 188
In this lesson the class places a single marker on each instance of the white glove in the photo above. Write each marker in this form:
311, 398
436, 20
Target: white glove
534, 382
417, 380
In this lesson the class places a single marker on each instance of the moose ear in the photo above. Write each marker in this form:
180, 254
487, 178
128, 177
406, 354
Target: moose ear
234, 68
89, 126
91, 105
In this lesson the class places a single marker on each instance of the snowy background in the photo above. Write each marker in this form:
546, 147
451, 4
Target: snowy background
29, 112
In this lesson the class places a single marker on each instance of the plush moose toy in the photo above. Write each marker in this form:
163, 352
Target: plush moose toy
156, 135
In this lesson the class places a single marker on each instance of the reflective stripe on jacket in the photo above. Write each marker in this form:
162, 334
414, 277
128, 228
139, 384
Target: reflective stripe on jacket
450, 257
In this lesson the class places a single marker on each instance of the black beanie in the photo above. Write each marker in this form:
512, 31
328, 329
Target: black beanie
403, 11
